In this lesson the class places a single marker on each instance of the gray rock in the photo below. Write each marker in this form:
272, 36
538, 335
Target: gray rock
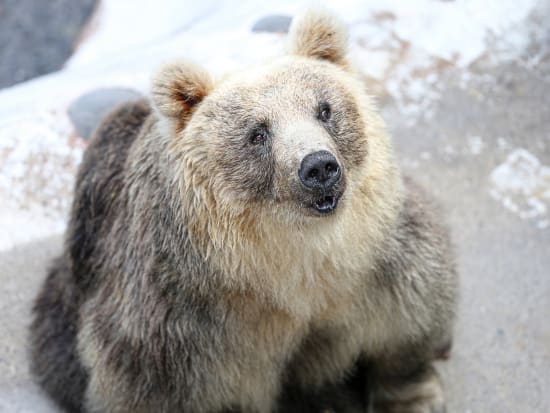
89, 109
37, 36
276, 23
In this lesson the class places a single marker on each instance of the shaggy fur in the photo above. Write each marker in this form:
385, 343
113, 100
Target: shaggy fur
196, 276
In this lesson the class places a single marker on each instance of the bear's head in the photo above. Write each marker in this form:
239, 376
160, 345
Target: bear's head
291, 141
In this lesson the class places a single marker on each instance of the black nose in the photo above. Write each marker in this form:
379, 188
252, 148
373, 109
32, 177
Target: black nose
319, 170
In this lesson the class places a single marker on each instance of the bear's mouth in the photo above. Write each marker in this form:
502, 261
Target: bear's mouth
326, 204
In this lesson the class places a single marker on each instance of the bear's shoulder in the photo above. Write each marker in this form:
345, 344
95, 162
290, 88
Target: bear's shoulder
99, 182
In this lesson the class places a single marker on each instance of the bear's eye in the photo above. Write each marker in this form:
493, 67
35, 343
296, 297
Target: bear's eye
324, 112
258, 137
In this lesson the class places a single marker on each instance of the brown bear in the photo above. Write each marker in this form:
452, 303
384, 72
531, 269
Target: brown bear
248, 244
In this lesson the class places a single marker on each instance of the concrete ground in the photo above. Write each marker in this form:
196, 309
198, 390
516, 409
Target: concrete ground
501, 356
21, 271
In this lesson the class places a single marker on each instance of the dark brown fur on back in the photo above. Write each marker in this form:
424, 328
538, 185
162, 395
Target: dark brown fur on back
54, 357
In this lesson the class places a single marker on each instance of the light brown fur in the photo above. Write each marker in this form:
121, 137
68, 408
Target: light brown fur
305, 286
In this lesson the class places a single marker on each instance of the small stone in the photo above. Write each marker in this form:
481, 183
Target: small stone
276, 23
88, 110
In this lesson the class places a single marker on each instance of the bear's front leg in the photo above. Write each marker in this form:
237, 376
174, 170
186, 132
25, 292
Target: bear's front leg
415, 388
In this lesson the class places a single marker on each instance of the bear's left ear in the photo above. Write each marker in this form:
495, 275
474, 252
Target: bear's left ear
321, 35
178, 88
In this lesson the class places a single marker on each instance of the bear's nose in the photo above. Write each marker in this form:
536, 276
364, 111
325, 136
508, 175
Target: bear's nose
319, 170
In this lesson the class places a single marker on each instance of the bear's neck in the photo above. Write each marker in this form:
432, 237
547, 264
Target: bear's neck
303, 269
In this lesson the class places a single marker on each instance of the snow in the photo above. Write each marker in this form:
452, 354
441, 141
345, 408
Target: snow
403, 47
123, 26
38, 159
522, 184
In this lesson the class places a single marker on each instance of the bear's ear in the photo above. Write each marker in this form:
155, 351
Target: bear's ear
178, 88
319, 34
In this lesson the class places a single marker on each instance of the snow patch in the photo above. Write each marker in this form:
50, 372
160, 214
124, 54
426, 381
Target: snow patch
522, 184
38, 161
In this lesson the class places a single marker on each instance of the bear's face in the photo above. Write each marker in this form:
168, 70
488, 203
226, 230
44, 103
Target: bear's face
289, 135
285, 134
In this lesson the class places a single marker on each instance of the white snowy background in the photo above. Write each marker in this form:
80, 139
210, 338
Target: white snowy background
403, 47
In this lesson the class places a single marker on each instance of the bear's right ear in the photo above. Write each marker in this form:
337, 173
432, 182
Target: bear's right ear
178, 88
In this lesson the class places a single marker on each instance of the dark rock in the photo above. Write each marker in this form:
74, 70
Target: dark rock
89, 109
273, 24
37, 36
